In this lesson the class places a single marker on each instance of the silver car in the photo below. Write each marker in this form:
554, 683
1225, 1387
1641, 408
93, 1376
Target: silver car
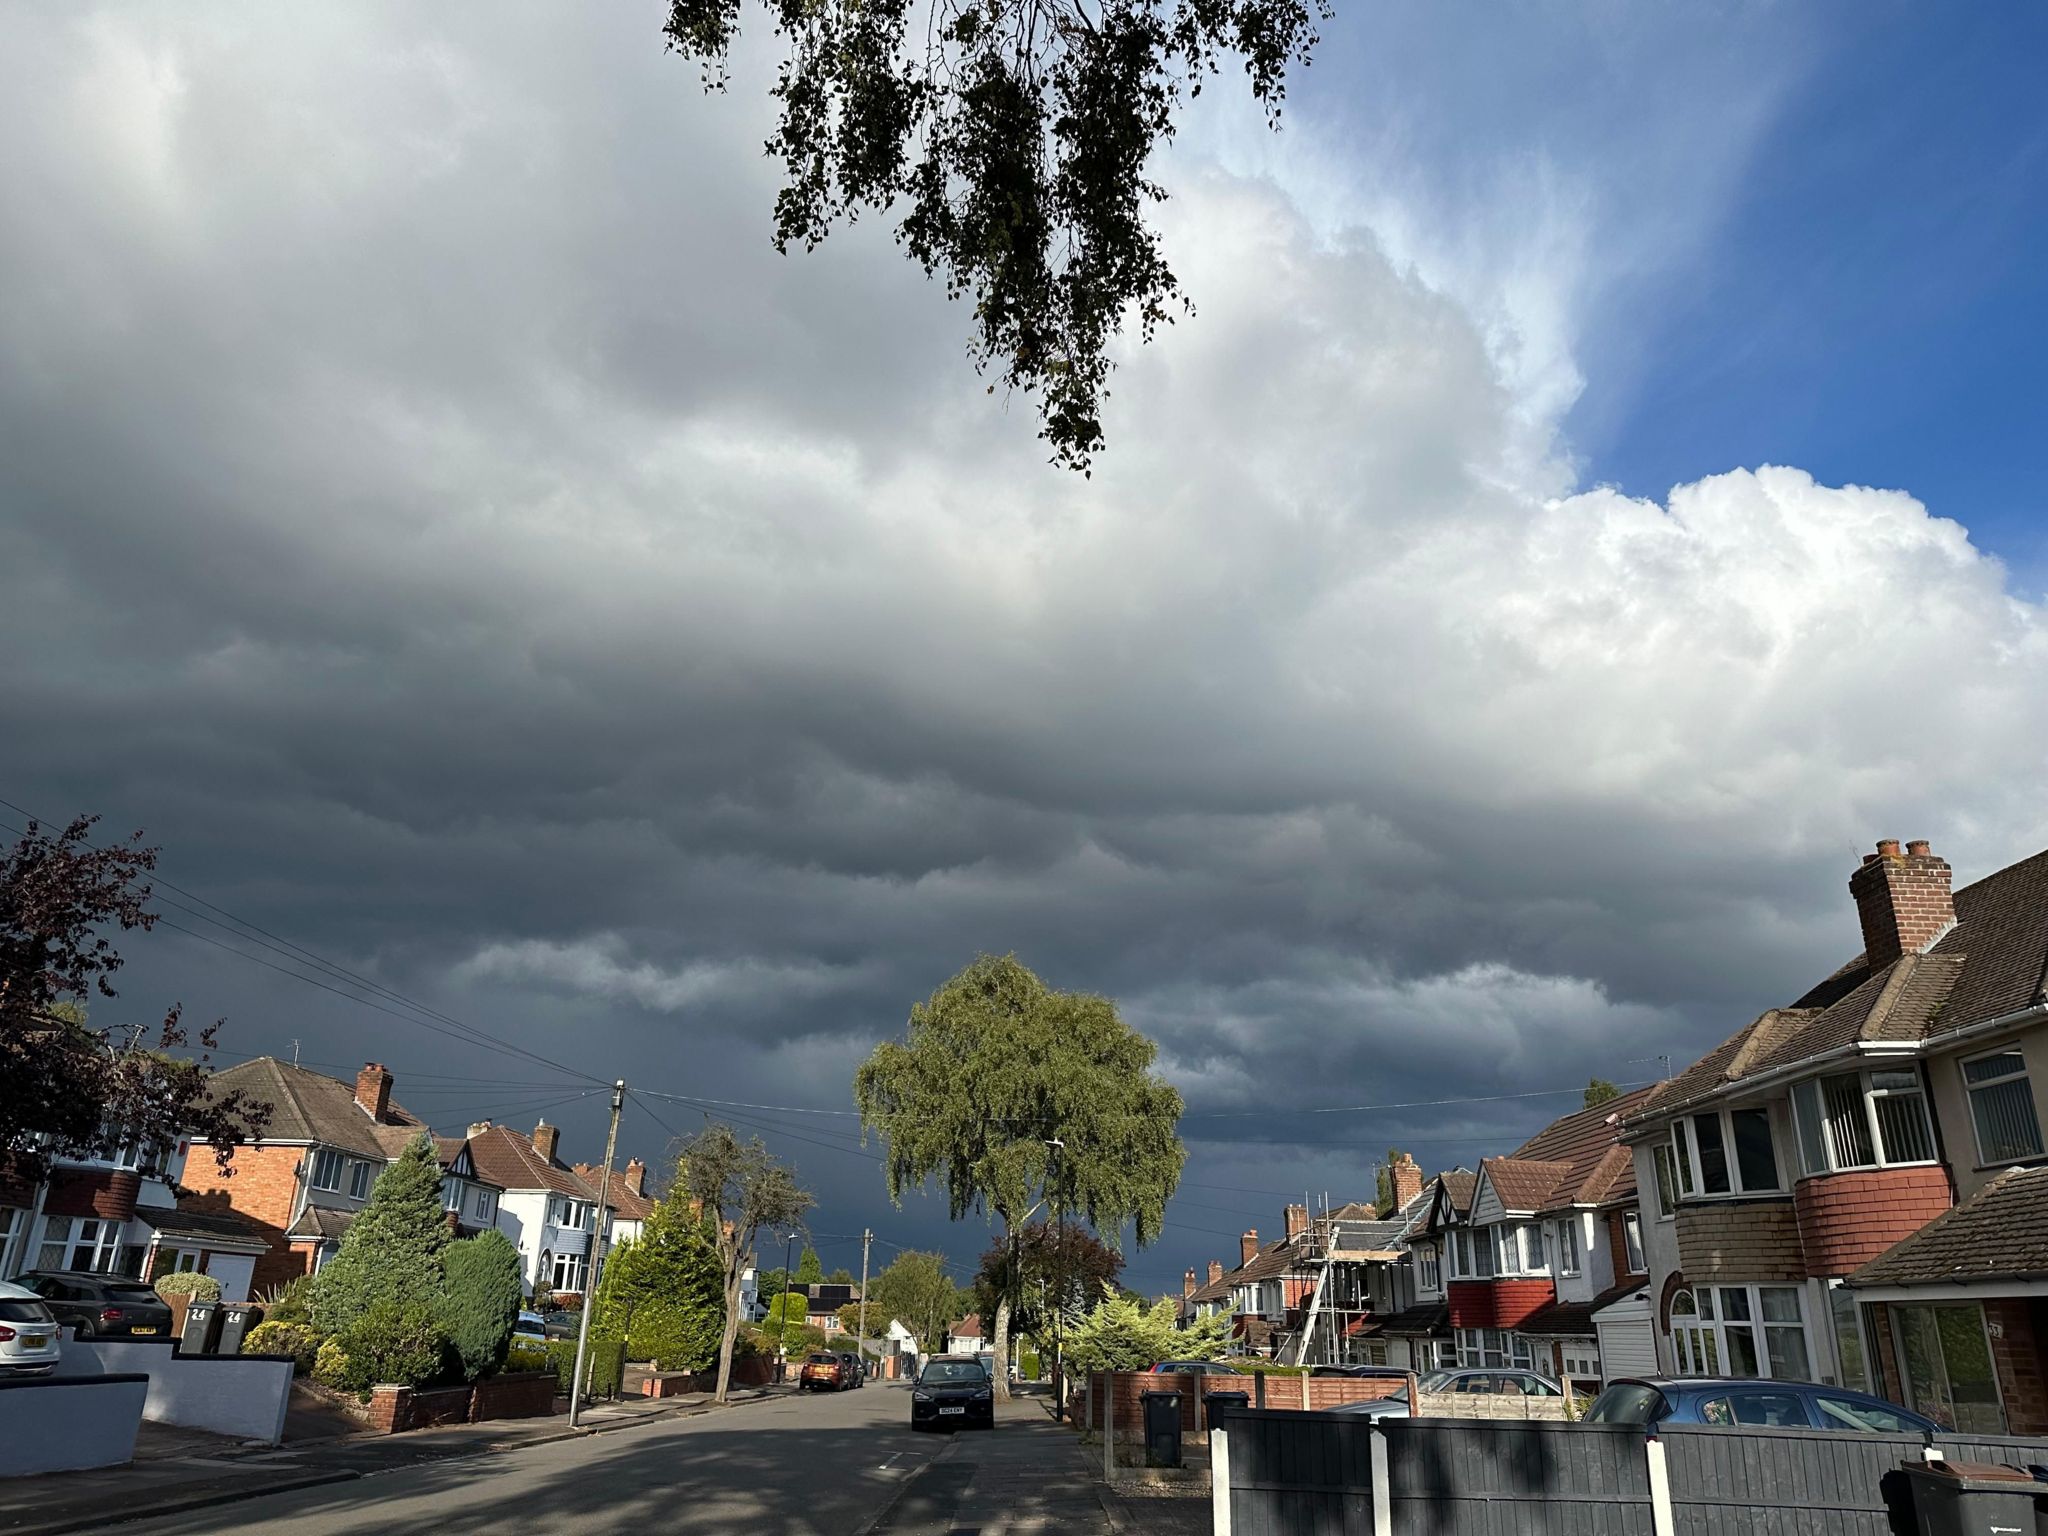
29, 1334
1494, 1381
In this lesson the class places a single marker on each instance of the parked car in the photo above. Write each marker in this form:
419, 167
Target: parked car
101, 1306
951, 1393
559, 1324
823, 1373
531, 1330
1488, 1380
856, 1370
1652, 1400
1395, 1371
29, 1343
1196, 1368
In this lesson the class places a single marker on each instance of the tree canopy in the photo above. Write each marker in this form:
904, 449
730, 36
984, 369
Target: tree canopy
995, 1068
1121, 1333
1600, 1091
1017, 136
663, 1292
917, 1291
394, 1250
480, 1300
808, 1270
740, 1188
1046, 1271
71, 1087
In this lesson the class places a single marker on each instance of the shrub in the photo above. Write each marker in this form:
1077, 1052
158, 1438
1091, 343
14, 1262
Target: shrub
393, 1250
1028, 1364
188, 1282
606, 1364
480, 1300
291, 1302
331, 1366
528, 1357
271, 1337
393, 1342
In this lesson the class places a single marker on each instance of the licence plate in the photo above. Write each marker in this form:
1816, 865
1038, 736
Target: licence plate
34, 1340
142, 1330
952, 1410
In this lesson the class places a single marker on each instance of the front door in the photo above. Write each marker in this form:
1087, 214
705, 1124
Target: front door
1945, 1356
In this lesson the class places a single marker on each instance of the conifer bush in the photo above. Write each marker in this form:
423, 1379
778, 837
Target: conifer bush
394, 1251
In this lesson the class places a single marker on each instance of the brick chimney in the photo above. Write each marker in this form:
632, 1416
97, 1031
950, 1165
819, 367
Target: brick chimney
636, 1177
1187, 1284
1407, 1175
545, 1139
1248, 1246
1297, 1221
477, 1128
1215, 1270
373, 1090
1902, 900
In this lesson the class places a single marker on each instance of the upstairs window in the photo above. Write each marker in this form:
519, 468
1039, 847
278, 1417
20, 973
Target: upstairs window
1632, 1239
2002, 1107
327, 1168
1874, 1119
358, 1181
1429, 1272
1666, 1167
1726, 1152
1568, 1246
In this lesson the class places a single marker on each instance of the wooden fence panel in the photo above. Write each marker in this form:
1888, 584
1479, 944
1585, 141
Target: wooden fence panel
1749, 1481
1517, 1478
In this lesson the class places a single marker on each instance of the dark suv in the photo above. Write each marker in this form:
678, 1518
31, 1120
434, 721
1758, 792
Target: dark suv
101, 1306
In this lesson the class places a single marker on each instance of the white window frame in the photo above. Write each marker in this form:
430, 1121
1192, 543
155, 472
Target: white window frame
1868, 1093
325, 1158
15, 1220
1428, 1267
1568, 1245
359, 1181
451, 1193
484, 1204
568, 1272
1664, 1178
1632, 1242
1699, 1341
1685, 1138
2024, 1075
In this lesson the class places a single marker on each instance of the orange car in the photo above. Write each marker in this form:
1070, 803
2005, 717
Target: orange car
822, 1373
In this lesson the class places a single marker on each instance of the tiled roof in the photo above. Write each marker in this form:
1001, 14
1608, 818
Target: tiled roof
311, 1106
321, 1221
1458, 1186
207, 1223
1276, 1258
1999, 1233
1574, 1319
1994, 961
507, 1159
628, 1203
1577, 1159
1417, 1322
1524, 1184
1215, 1290
969, 1327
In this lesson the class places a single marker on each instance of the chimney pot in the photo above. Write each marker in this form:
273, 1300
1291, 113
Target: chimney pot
545, 1139
1187, 1283
1248, 1246
1903, 903
636, 1176
477, 1128
373, 1090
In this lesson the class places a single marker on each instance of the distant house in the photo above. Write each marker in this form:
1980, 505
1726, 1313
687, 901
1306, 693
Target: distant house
626, 1195
547, 1208
965, 1337
825, 1300
298, 1187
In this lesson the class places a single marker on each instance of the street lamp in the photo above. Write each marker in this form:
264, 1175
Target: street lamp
1059, 1316
781, 1311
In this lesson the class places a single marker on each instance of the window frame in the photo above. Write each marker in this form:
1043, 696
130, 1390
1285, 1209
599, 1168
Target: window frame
1569, 1261
1701, 1339
1428, 1267
1632, 1243
359, 1180
1664, 1178
2024, 1075
1868, 1093
1692, 1167
325, 1156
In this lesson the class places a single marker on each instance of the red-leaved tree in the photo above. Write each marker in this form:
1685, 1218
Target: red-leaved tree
72, 1089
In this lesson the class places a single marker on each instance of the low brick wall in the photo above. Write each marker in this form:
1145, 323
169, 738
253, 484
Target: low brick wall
1312, 1394
524, 1395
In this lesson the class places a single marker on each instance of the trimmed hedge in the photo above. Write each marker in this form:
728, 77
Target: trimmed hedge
606, 1364
294, 1339
188, 1282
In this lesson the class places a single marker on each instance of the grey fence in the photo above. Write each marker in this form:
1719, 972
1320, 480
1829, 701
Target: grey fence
1299, 1474
1494, 1477
1313, 1474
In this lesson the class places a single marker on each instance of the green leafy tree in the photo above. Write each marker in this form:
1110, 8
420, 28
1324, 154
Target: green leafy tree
786, 1314
1599, 1091
840, 1276
1121, 1333
663, 1293
1047, 1270
480, 1300
808, 1270
740, 1188
917, 1291
1016, 137
1383, 1180
770, 1283
393, 1251
996, 1066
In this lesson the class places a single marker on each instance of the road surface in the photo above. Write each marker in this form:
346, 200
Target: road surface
841, 1464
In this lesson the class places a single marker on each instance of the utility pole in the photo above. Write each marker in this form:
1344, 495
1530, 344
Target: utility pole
866, 1236
596, 1261
1059, 1316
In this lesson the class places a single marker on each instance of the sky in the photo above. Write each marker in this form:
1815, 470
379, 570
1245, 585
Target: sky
1592, 502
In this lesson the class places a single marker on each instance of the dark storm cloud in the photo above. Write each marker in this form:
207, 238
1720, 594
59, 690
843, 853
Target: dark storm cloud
435, 514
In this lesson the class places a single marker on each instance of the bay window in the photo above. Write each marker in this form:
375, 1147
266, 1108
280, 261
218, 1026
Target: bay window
1741, 1330
2002, 1107
1865, 1119
1518, 1249
568, 1272
1726, 1152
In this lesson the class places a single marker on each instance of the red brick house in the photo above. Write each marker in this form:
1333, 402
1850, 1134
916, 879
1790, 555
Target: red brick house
1802, 1174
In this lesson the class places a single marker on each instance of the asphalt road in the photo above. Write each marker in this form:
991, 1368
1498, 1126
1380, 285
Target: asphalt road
842, 1464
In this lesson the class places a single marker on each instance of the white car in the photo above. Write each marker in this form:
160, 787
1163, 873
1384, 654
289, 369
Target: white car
531, 1330
29, 1335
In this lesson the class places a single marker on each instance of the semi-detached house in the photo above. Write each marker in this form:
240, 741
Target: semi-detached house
1853, 1189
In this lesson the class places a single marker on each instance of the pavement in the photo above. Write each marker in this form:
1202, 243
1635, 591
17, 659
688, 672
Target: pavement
840, 1464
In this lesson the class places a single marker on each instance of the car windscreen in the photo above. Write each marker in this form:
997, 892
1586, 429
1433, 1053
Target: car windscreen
132, 1295
823, 1360
945, 1372
22, 1310
1626, 1402
1437, 1381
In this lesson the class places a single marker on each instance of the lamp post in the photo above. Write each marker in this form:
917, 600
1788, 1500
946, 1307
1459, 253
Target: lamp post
782, 1312
1059, 1316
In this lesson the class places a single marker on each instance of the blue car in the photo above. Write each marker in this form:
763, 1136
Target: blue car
1729, 1400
